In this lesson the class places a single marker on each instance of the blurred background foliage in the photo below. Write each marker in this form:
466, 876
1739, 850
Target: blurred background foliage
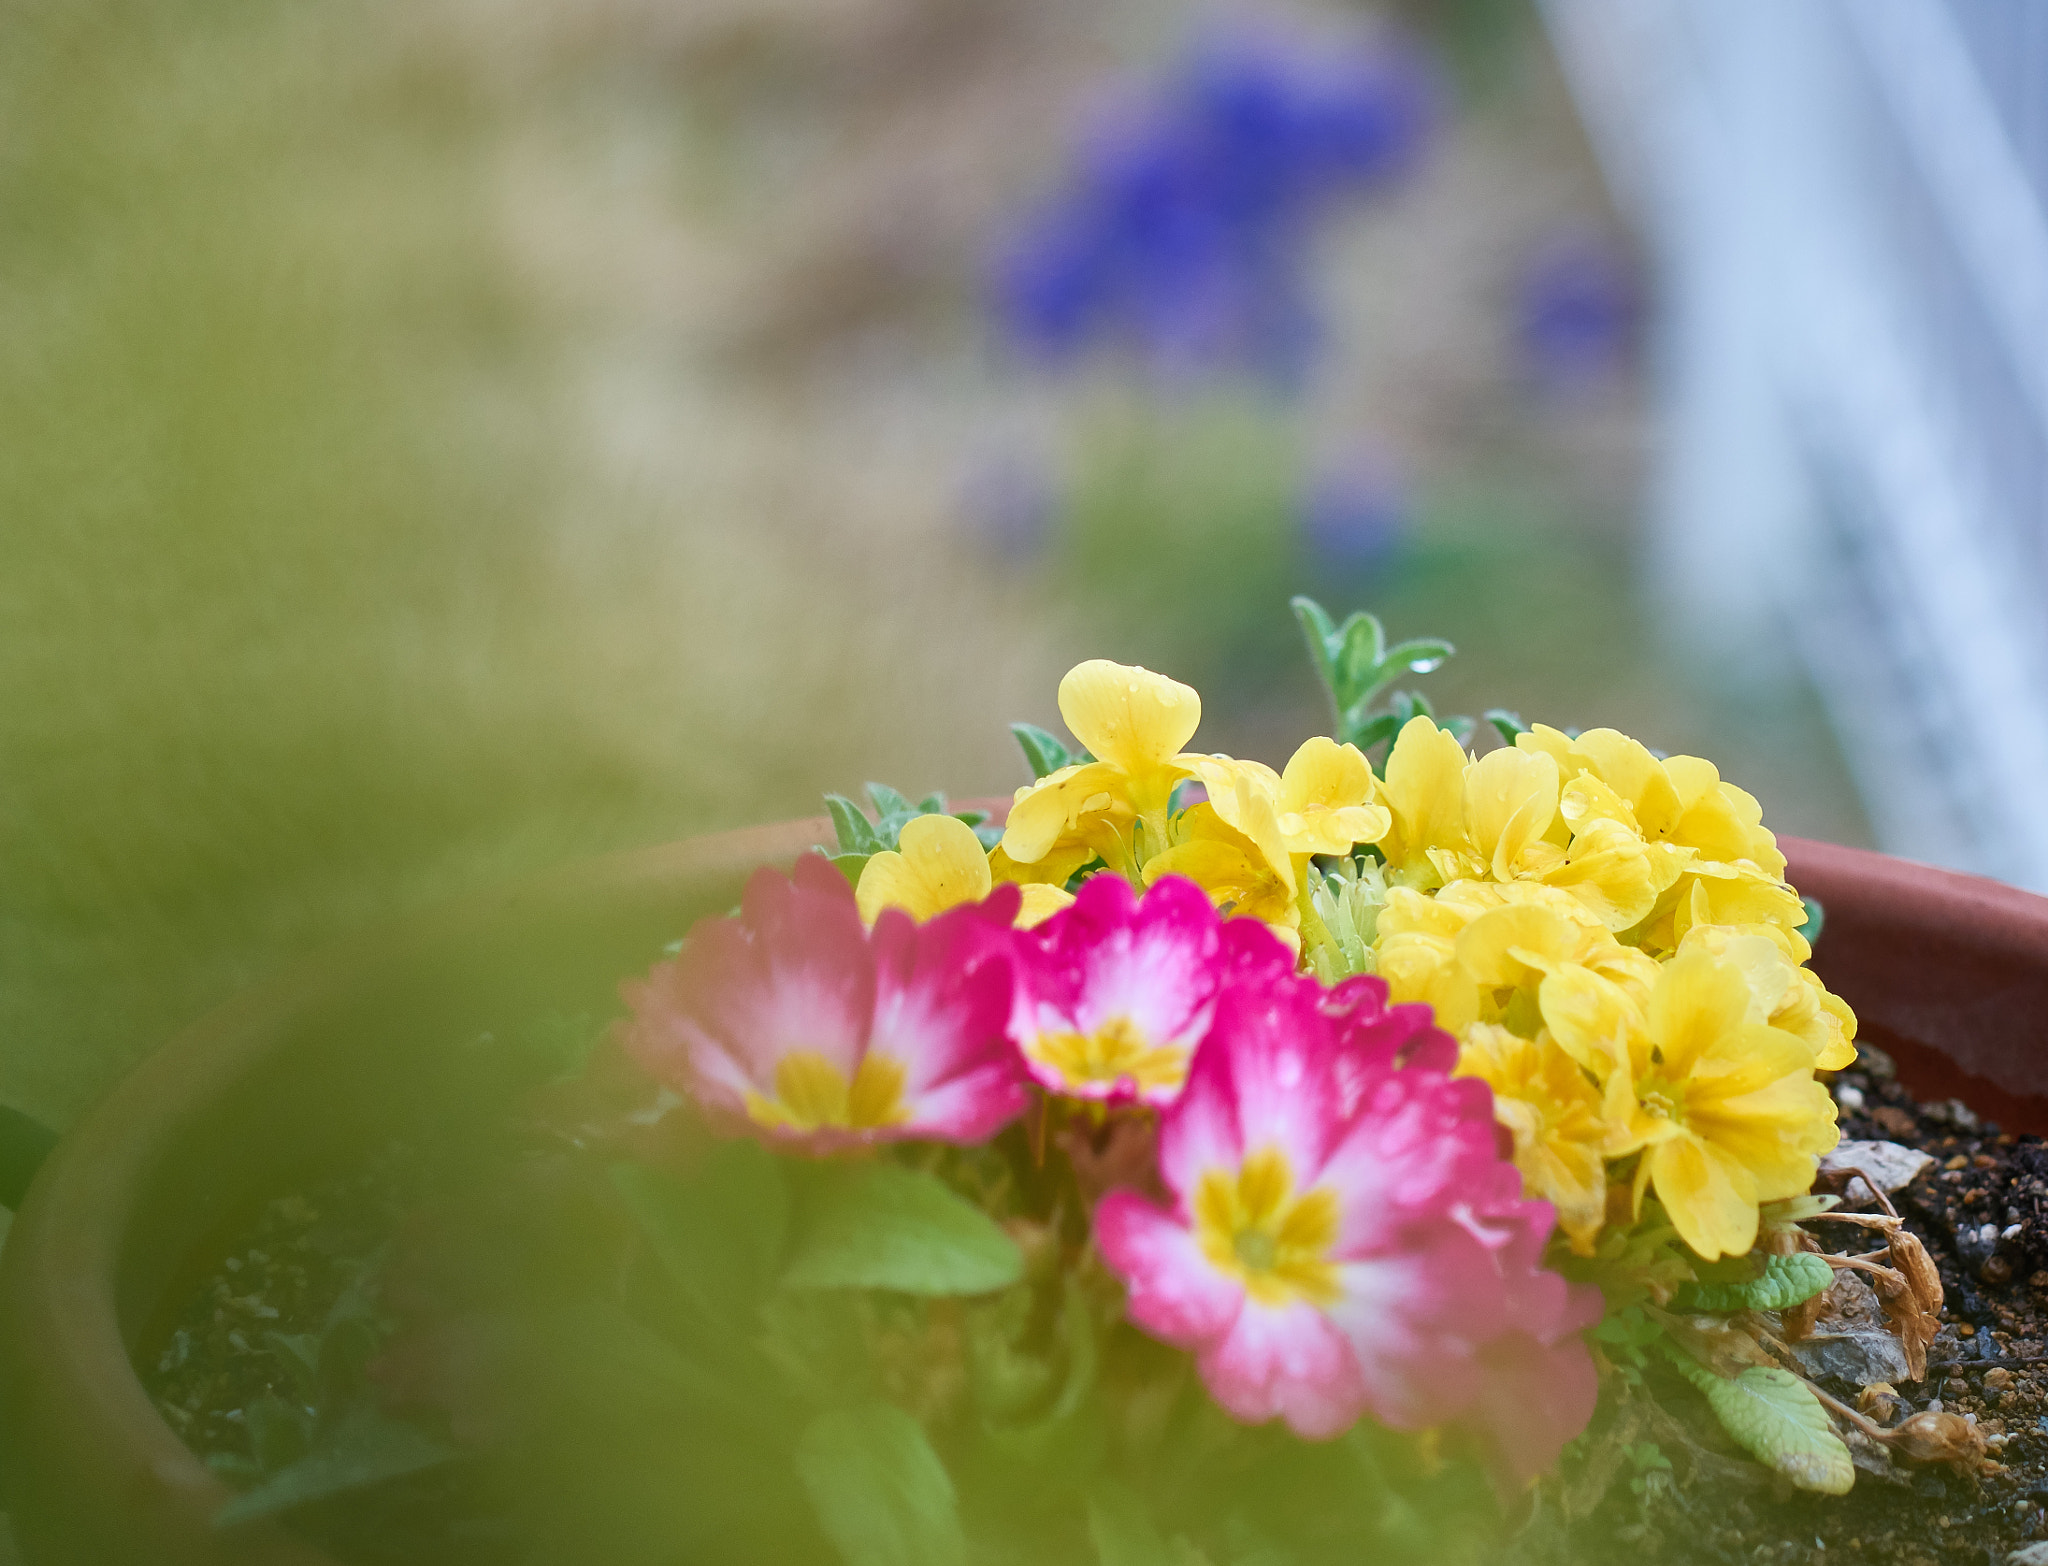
439, 439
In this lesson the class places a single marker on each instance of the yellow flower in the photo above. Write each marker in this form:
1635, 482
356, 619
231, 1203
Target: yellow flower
1425, 843
1782, 993
938, 864
1725, 1110
1478, 951
1247, 871
1524, 826
1715, 862
1553, 1110
1323, 803
1135, 723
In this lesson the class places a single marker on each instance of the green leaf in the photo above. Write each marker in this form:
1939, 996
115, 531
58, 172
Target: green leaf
880, 1226
1506, 724
1776, 1419
1410, 705
935, 805
298, 1353
1123, 1532
1324, 644
850, 866
888, 802
881, 1494
1362, 660
1787, 1280
1368, 732
1042, 751
364, 1448
279, 1434
1422, 655
1816, 916
856, 832
719, 1233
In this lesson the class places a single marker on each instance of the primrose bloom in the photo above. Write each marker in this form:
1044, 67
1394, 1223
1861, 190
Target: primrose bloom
1251, 844
1343, 1239
938, 863
795, 1023
1136, 722
1724, 1107
1114, 993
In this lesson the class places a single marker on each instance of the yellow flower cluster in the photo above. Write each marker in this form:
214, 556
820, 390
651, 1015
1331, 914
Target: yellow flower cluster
1608, 933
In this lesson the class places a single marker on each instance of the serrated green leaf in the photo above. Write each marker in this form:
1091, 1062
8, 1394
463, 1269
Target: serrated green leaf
364, 1448
719, 1232
1043, 752
1775, 1417
881, 1494
850, 822
881, 1226
1787, 1280
888, 802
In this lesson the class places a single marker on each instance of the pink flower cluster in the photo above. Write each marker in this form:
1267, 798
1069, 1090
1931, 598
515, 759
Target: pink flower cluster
1342, 1236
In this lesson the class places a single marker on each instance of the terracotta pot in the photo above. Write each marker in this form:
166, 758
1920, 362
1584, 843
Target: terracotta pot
1947, 971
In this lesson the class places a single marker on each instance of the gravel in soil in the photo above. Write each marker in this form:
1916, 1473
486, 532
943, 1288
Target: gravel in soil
1981, 1208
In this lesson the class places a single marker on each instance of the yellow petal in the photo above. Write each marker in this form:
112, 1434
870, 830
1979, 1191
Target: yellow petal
1127, 716
1054, 868
1040, 903
1608, 869
1322, 772
1054, 807
1727, 824
1497, 948
1711, 1198
1698, 999
1593, 1019
1627, 767
1510, 800
1423, 967
938, 864
1424, 789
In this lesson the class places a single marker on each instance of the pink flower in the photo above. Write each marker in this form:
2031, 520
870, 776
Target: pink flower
1116, 991
1343, 1236
797, 1024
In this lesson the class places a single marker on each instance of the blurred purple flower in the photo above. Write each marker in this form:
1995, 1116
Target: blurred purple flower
1354, 514
1575, 309
1184, 230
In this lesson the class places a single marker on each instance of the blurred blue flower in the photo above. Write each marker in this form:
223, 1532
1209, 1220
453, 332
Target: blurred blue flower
1354, 514
1575, 311
1183, 233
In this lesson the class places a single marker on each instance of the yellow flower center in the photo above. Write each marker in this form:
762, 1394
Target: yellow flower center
1255, 1228
811, 1093
1117, 1049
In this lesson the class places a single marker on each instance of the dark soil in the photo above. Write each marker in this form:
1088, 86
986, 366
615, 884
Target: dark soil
1982, 1211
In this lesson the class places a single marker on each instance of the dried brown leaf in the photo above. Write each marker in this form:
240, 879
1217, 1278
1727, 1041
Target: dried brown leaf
1910, 1291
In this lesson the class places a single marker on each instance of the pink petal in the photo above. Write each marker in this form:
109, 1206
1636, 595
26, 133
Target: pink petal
1200, 1131
1275, 1046
1402, 1314
1534, 1398
1288, 1362
1175, 1293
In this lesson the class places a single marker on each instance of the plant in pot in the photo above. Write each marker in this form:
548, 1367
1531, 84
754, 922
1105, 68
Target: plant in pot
1403, 1153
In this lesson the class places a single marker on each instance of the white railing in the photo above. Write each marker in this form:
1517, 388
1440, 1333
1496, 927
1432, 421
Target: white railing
1847, 206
